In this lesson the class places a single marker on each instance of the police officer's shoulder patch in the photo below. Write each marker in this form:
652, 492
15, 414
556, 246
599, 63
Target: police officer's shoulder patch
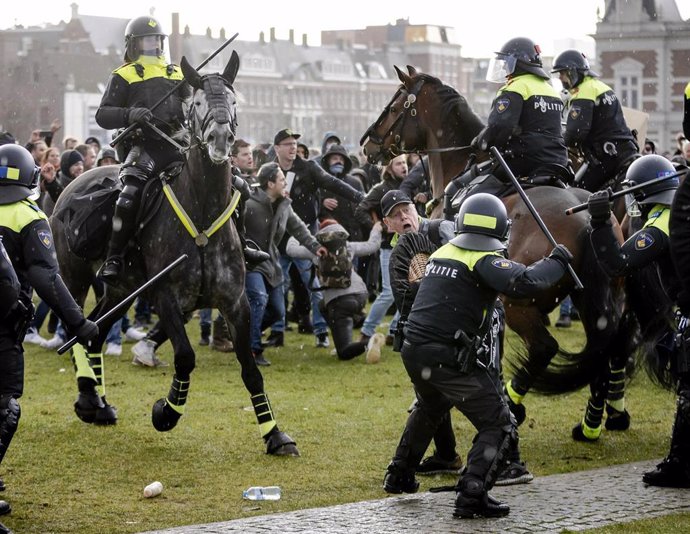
502, 263
502, 104
575, 112
45, 238
643, 240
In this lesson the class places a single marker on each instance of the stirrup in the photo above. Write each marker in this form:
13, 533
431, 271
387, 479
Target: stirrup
111, 268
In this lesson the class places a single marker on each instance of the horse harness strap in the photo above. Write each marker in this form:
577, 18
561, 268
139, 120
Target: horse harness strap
200, 238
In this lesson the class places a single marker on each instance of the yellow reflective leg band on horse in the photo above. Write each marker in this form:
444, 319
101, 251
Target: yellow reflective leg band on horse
589, 432
82, 367
177, 396
514, 395
264, 414
96, 361
616, 394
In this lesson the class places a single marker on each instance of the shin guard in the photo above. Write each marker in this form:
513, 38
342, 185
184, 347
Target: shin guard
177, 396
10, 412
82, 365
616, 394
264, 414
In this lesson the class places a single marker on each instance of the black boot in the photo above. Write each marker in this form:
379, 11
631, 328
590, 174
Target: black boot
399, 480
205, 335
124, 223
674, 471
473, 501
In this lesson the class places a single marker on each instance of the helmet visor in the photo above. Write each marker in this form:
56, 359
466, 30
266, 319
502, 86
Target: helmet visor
500, 68
150, 45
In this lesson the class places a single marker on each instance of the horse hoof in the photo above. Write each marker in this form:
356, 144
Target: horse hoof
579, 435
163, 417
280, 444
92, 409
107, 415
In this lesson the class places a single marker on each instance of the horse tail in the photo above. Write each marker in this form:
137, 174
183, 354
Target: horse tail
600, 305
653, 310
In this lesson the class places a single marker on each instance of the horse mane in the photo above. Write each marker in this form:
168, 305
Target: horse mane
454, 105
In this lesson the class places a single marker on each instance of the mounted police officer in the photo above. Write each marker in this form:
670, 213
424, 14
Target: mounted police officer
27, 238
443, 353
131, 92
524, 122
595, 123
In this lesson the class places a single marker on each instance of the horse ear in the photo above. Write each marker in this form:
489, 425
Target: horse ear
231, 68
404, 78
411, 70
190, 73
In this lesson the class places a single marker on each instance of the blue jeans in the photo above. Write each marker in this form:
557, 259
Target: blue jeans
566, 306
304, 268
380, 306
266, 305
205, 317
119, 327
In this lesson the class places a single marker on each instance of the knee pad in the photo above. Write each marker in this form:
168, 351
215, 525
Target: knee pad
684, 403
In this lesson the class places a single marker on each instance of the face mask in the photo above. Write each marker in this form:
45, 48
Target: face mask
337, 168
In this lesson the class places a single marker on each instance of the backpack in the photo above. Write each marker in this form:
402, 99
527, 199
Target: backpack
335, 268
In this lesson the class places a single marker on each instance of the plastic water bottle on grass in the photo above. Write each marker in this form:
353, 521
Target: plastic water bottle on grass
258, 493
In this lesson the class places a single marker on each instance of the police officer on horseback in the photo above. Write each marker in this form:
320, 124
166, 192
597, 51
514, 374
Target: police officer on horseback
27, 238
443, 353
649, 248
131, 92
595, 123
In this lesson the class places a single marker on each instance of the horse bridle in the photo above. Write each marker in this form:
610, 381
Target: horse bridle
398, 126
218, 110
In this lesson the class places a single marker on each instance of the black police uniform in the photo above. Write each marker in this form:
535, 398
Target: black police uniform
596, 125
9, 284
141, 84
458, 290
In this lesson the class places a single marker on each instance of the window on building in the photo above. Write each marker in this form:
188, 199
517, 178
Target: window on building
628, 82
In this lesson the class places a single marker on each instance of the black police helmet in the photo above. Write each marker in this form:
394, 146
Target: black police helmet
482, 224
19, 173
520, 55
575, 64
141, 27
648, 168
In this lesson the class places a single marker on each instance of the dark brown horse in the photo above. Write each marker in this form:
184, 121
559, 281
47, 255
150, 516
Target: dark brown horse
212, 277
429, 117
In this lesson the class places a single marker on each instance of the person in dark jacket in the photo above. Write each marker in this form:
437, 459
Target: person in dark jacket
442, 350
306, 182
270, 218
334, 206
28, 242
54, 181
595, 123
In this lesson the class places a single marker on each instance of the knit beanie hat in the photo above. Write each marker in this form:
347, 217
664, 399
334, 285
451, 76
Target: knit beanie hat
67, 159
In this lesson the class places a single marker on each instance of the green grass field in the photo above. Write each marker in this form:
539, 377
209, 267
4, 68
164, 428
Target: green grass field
65, 476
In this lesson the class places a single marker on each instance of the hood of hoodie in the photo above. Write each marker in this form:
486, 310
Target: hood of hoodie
326, 137
337, 149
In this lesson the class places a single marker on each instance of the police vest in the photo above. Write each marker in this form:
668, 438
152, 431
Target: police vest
451, 297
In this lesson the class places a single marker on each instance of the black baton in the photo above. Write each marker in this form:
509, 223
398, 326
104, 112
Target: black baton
127, 300
497, 155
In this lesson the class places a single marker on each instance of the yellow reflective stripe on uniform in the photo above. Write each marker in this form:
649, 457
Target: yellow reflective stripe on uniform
462, 255
659, 217
528, 86
687, 90
590, 89
151, 70
17, 215
483, 221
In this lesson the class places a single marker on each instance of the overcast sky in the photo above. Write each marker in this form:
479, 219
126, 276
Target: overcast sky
481, 26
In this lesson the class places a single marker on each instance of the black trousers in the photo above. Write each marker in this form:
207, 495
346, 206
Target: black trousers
439, 386
339, 314
11, 363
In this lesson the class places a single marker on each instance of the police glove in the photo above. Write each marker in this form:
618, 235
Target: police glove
138, 115
599, 206
86, 331
562, 255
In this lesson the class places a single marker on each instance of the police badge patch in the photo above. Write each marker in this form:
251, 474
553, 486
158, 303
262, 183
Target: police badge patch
45, 238
502, 104
575, 112
643, 241
501, 263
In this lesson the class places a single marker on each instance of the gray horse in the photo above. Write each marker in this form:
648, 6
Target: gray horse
212, 277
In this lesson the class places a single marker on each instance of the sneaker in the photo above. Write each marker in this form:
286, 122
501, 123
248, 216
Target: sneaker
564, 321
433, 465
399, 481
671, 473
376, 342
322, 341
113, 349
274, 339
514, 473
145, 354
54, 342
34, 337
260, 359
134, 334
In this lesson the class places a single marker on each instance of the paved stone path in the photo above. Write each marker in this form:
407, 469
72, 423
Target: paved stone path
575, 501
